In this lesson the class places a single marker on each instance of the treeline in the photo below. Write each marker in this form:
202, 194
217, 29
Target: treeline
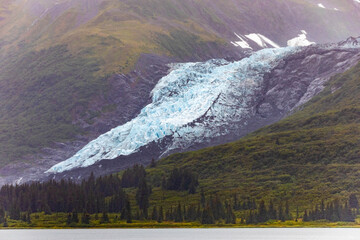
214, 210
334, 211
97, 197
265, 213
93, 196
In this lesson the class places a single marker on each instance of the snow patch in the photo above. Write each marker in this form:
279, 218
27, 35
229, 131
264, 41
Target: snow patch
301, 40
358, 1
242, 43
262, 41
321, 5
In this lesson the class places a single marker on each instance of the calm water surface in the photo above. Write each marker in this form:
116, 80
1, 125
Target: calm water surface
192, 234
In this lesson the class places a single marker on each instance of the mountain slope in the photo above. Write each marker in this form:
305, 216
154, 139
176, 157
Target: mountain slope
191, 98
310, 156
203, 104
113, 53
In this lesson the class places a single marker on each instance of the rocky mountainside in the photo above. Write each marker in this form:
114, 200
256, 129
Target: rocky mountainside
73, 70
306, 158
208, 103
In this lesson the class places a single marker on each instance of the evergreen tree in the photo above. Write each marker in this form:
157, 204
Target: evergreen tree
192, 188
5, 225
297, 213
85, 218
251, 218
253, 205
347, 215
281, 213
160, 215
75, 218
15, 212
236, 203
123, 214
23, 217
192, 214
305, 217
202, 198
142, 197
230, 216
128, 212
28, 216
322, 210
153, 163
287, 211
47, 209
154, 214
178, 214
262, 213
69, 219
198, 213
217, 208
2, 215
104, 217
207, 216
182, 180
353, 201
272, 211
163, 183
336, 211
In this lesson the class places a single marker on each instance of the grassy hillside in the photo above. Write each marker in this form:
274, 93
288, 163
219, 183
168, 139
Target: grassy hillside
311, 156
38, 109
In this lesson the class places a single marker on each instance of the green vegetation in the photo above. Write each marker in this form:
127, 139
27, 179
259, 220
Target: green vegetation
43, 93
102, 202
53, 69
308, 157
52, 72
300, 172
184, 45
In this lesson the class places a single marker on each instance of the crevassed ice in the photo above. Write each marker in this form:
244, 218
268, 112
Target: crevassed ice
217, 90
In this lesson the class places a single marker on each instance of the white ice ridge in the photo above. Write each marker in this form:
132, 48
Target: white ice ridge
261, 40
241, 43
217, 91
301, 40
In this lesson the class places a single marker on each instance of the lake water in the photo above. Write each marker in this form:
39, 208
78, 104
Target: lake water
192, 234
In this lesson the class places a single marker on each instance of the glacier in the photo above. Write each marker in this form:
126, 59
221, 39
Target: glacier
193, 102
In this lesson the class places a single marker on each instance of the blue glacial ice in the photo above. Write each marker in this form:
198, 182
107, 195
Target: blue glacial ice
217, 91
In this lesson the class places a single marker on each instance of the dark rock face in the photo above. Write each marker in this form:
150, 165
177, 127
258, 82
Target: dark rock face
293, 82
